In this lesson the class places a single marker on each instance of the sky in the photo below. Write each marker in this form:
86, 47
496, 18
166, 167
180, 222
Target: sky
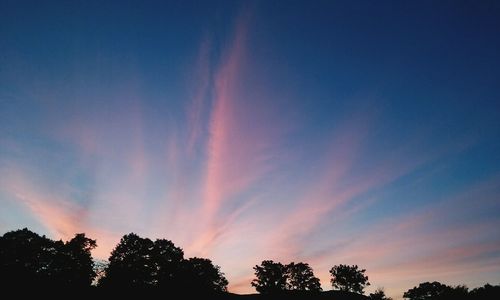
328, 132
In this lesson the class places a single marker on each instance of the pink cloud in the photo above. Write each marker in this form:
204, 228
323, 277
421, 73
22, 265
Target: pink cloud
337, 186
202, 83
401, 252
62, 217
180, 183
237, 151
241, 285
224, 175
58, 213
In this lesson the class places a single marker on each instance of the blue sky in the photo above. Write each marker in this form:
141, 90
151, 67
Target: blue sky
328, 132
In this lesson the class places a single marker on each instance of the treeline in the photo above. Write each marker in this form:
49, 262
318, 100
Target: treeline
30, 260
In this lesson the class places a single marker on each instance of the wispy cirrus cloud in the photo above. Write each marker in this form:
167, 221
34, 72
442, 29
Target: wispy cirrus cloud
57, 211
237, 150
202, 81
341, 192
218, 168
434, 242
60, 216
226, 148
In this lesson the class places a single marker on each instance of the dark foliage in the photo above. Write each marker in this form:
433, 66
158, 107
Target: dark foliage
379, 294
300, 277
140, 263
140, 267
131, 264
486, 292
438, 291
29, 259
271, 277
298, 295
202, 275
349, 278
427, 290
274, 277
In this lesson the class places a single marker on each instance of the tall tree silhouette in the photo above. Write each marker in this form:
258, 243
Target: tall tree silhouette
274, 277
271, 277
23, 257
300, 277
203, 276
80, 266
349, 278
139, 262
29, 259
167, 259
130, 263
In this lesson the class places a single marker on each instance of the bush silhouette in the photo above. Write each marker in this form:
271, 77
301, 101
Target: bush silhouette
379, 294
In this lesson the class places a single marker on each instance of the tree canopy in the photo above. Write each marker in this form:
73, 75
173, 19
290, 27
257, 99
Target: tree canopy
426, 290
349, 278
30, 259
132, 264
140, 263
487, 291
202, 275
274, 277
439, 291
271, 277
300, 277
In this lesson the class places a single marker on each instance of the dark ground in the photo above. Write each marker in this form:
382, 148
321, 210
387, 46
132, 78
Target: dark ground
330, 295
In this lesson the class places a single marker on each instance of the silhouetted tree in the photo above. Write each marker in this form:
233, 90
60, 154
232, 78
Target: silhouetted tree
167, 259
349, 278
28, 259
23, 257
271, 277
274, 277
427, 290
379, 294
202, 276
487, 291
140, 263
80, 266
100, 267
131, 264
455, 293
300, 277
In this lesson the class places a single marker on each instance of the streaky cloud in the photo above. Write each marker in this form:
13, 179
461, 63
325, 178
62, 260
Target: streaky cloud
237, 151
202, 83
61, 216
